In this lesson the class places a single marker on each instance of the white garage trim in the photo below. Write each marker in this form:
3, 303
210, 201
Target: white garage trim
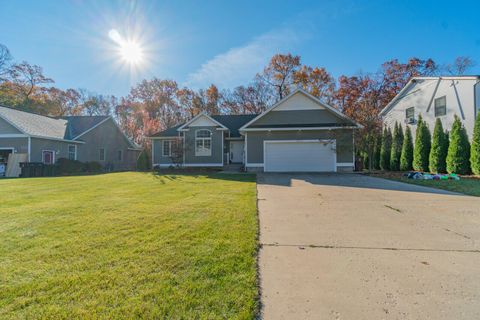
329, 141
345, 164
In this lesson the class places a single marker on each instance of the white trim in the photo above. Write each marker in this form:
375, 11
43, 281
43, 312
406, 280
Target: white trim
68, 151
53, 156
345, 164
165, 165
203, 165
162, 138
205, 154
315, 99
29, 149
245, 146
153, 154
332, 141
57, 139
198, 116
14, 135
169, 148
299, 128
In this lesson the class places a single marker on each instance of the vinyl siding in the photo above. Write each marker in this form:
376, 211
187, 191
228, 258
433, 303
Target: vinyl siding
38, 145
298, 117
19, 144
158, 158
7, 128
109, 137
217, 151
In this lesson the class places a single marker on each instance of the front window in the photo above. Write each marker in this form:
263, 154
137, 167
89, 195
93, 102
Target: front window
440, 106
101, 155
410, 115
167, 148
120, 155
48, 157
203, 142
72, 152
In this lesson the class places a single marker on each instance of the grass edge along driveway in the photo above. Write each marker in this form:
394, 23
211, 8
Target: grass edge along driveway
129, 245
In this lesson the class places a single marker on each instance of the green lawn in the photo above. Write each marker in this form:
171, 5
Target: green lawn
128, 245
470, 186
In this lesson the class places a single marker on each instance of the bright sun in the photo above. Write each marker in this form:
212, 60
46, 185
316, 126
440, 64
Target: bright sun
129, 50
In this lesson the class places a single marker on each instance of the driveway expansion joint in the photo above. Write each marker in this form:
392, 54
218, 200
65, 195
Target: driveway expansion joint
315, 246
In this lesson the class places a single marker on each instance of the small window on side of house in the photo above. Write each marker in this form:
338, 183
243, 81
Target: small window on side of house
120, 155
410, 115
72, 152
167, 148
440, 106
101, 155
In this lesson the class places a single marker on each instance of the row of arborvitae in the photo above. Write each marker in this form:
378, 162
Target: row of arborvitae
444, 152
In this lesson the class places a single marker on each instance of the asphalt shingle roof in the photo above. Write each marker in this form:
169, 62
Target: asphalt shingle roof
34, 124
66, 128
232, 122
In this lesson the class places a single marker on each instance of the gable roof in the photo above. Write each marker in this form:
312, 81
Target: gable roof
34, 124
198, 116
76, 125
232, 122
68, 128
413, 81
315, 99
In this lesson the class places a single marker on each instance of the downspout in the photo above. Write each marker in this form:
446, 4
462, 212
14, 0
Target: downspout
29, 148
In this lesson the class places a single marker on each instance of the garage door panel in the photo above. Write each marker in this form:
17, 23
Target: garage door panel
299, 156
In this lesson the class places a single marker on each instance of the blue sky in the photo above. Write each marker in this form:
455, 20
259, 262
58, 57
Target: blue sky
226, 42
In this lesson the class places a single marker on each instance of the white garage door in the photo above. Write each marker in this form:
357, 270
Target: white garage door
300, 156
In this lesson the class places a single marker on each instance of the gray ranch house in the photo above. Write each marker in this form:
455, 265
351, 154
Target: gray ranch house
83, 138
298, 134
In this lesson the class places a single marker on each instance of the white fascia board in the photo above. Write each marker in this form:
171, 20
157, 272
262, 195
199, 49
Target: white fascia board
315, 99
14, 135
198, 116
299, 128
57, 139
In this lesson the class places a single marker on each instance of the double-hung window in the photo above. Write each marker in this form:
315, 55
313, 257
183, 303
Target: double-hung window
440, 106
167, 148
203, 142
72, 152
101, 155
410, 115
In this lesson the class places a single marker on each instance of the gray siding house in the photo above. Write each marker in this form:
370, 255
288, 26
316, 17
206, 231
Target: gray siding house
84, 138
297, 134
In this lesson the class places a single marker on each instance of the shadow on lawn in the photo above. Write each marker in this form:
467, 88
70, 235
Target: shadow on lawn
351, 180
165, 176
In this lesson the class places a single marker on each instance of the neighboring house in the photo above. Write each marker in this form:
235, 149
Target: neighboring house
435, 97
84, 138
299, 133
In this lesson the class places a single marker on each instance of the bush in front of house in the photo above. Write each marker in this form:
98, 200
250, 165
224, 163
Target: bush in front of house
67, 166
458, 157
396, 150
439, 150
93, 167
406, 158
475, 148
421, 151
143, 161
385, 149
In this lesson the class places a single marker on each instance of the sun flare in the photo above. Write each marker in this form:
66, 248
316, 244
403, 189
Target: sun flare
130, 51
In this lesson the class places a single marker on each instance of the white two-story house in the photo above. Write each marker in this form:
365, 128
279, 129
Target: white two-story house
435, 97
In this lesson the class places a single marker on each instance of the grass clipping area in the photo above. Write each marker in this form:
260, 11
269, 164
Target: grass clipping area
128, 245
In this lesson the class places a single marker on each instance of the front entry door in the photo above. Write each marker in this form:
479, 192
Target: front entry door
236, 151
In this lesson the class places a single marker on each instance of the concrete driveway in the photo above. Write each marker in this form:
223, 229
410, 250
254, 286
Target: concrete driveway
347, 246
